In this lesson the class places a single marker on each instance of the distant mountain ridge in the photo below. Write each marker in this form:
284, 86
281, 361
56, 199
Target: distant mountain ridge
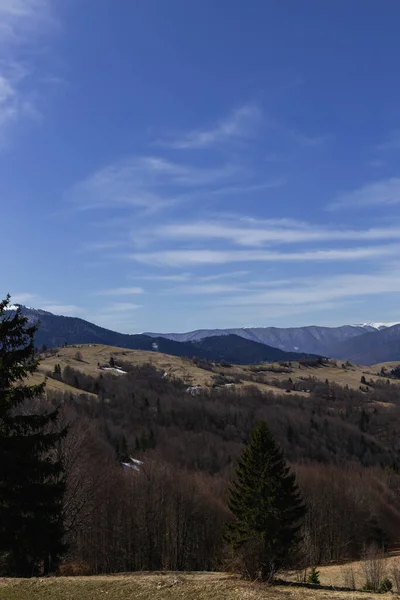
312, 339
371, 348
366, 343
57, 330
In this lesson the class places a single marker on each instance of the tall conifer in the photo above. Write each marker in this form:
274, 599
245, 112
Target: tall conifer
31, 474
267, 507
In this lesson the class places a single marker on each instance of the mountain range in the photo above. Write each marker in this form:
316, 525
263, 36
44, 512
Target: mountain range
366, 343
57, 330
313, 339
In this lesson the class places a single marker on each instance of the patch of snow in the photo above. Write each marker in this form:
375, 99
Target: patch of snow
376, 325
116, 369
194, 390
12, 307
133, 464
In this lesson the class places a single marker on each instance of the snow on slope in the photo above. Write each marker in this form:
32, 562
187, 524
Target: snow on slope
377, 325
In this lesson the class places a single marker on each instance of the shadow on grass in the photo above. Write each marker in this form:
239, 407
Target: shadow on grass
313, 586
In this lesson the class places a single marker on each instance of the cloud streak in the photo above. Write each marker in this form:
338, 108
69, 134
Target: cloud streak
185, 258
308, 291
21, 22
379, 193
144, 182
240, 124
121, 291
269, 233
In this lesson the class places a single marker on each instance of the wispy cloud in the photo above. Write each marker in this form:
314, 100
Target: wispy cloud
211, 288
308, 141
309, 291
145, 182
376, 163
122, 307
121, 291
21, 22
240, 124
18, 18
384, 192
246, 189
185, 258
179, 277
190, 277
269, 232
392, 142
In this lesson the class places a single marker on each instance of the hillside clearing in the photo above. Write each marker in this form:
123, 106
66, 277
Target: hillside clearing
87, 358
163, 586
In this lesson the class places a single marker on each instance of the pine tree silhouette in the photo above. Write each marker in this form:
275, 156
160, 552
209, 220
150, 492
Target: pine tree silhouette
267, 506
31, 474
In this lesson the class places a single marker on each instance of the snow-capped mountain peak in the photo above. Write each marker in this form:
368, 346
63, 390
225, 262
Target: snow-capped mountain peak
376, 325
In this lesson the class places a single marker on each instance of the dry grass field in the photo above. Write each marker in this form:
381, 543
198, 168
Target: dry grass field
164, 586
183, 368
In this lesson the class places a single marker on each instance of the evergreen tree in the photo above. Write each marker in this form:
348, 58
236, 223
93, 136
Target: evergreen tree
267, 507
31, 475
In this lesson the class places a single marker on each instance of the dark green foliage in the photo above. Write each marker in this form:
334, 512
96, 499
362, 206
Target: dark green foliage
313, 576
267, 507
385, 586
396, 372
31, 476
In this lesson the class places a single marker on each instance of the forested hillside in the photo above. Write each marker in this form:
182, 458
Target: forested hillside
170, 508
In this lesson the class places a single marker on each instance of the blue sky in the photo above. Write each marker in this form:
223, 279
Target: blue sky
176, 165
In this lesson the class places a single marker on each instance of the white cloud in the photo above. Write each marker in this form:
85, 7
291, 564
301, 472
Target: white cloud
122, 291
380, 193
145, 182
229, 275
248, 189
20, 18
179, 277
184, 258
21, 22
207, 289
268, 233
122, 307
240, 124
309, 291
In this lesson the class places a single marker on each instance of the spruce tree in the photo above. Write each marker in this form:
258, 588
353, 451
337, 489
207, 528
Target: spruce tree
31, 474
267, 506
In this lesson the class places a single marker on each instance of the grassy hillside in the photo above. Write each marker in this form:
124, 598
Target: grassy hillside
266, 377
163, 586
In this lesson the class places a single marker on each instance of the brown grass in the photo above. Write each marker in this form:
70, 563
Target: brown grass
185, 369
163, 586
